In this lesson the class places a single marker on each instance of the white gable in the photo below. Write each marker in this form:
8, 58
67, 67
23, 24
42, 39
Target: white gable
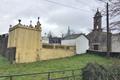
82, 44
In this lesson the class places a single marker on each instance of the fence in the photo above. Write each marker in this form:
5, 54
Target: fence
54, 75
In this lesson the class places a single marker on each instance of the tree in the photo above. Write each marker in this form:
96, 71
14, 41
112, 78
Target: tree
114, 11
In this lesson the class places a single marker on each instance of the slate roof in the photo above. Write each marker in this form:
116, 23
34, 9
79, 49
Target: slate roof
72, 36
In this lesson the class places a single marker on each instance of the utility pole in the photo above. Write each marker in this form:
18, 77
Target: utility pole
108, 31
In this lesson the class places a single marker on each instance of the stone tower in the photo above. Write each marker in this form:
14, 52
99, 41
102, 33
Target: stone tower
26, 40
97, 38
97, 21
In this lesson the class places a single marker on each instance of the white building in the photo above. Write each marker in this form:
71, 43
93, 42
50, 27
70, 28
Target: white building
45, 40
82, 44
79, 40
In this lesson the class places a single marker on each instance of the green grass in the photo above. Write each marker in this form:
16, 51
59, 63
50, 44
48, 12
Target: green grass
75, 62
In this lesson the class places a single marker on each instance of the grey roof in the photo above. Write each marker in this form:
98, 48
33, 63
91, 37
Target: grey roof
72, 36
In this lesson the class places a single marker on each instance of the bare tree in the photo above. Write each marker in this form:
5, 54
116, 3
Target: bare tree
114, 12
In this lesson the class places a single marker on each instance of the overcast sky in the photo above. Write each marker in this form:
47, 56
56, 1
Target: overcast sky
55, 15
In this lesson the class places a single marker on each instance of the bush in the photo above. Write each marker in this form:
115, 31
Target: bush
95, 71
114, 72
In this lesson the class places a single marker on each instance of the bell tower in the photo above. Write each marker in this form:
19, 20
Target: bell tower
97, 21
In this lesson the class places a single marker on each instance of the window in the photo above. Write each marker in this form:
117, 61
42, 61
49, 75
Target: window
96, 47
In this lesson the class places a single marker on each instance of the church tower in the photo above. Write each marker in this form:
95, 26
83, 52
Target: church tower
68, 32
97, 21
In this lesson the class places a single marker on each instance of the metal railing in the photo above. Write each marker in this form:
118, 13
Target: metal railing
53, 75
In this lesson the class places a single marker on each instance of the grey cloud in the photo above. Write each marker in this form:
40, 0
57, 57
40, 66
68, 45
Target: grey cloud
68, 17
53, 16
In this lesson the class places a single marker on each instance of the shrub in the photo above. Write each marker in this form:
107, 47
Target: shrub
95, 71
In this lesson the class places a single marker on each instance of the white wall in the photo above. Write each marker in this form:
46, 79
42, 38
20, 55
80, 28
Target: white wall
82, 44
45, 40
115, 44
70, 42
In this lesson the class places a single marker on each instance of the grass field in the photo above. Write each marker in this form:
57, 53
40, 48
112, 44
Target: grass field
75, 62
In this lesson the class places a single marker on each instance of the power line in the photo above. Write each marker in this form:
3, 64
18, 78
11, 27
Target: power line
64, 5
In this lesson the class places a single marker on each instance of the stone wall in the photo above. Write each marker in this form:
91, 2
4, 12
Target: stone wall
3, 44
56, 51
48, 54
8, 53
99, 39
116, 42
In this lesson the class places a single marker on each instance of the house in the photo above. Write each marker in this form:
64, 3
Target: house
45, 40
51, 40
55, 40
82, 44
70, 39
79, 40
